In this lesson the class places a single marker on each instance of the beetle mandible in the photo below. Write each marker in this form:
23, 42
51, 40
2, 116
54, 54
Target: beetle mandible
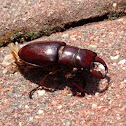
55, 53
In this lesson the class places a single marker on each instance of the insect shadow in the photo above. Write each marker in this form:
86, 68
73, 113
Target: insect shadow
85, 80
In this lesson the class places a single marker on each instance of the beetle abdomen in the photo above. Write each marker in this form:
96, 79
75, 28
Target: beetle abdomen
41, 53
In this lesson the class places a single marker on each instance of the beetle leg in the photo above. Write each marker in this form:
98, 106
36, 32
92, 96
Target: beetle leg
68, 76
78, 87
42, 82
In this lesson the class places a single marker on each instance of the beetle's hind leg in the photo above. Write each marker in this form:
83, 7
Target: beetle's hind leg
42, 82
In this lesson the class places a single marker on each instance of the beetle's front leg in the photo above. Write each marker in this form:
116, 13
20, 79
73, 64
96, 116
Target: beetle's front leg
69, 76
78, 87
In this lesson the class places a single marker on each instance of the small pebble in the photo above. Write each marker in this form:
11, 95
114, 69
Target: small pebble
124, 80
73, 36
65, 35
96, 94
30, 118
20, 124
114, 57
120, 19
4, 71
122, 62
94, 106
93, 46
23, 1
41, 92
118, 117
37, 117
117, 52
101, 66
111, 101
9, 89
8, 60
73, 39
26, 106
114, 5
114, 64
6, 100
122, 85
59, 106
100, 107
40, 111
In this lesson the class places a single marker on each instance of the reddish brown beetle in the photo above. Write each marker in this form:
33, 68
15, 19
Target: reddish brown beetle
54, 54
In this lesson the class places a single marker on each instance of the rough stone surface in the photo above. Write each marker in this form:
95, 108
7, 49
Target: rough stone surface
40, 14
61, 107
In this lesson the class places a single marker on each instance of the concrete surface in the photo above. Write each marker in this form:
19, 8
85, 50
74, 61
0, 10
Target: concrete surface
65, 106
36, 15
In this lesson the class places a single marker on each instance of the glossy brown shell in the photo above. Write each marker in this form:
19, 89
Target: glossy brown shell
75, 57
41, 54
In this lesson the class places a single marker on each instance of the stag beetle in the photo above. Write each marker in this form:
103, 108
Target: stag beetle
55, 53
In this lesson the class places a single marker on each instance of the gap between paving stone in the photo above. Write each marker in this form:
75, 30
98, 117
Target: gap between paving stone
21, 35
